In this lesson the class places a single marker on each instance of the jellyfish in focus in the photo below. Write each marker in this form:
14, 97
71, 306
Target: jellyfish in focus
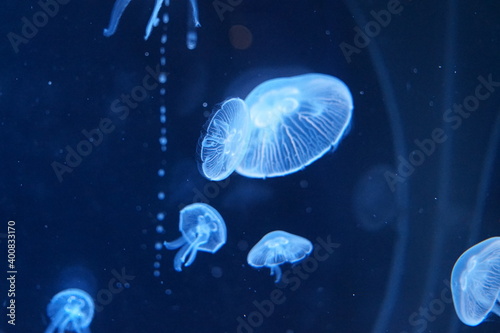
475, 282
70, 310
277, 248
222, 148
295, 121
193, 23
202, 228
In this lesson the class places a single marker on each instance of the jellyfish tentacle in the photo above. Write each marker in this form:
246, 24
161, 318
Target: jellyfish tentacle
116, 14
179, 257
55, 322
175, 244
276, 270
192, 24
64, 325
193, 249
153, 20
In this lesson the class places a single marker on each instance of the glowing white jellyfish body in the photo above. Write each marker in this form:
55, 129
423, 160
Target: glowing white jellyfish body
277, 248
70, 310
202, 229
475, 282
224, 144
294, 121
193, 23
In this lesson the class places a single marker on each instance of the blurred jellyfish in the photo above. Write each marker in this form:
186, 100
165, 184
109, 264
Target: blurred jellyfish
373, 203
222, 148
202, 228
193, 23
277, 248
475, 282
70, 310
295, 121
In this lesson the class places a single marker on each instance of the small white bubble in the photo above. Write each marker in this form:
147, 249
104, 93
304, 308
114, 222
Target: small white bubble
161, 195
161, 172
160, 229
158, 246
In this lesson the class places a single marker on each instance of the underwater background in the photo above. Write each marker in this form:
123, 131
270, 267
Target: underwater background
411, 186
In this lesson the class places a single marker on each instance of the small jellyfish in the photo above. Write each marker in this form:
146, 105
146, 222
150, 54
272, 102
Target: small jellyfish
295, 121
70, 310
276, 248
222, 148
475, 282
202, 228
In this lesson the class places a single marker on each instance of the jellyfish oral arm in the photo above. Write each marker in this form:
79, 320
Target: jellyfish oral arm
192, 24
276, 270
116, 14
186, 249
55, 322
153, 20
175, 244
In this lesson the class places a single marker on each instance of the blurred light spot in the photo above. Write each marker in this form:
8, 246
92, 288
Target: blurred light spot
240, 37
216, 272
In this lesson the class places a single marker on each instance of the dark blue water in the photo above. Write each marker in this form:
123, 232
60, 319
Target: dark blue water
411, 187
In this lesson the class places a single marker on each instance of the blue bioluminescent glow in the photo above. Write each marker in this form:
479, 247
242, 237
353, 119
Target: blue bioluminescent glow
295, 121
224, 144
70, 310
202, 228
475, 282
277, 248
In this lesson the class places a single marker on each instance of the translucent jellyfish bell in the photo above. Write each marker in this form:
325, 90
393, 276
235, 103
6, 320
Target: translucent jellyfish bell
223, 146
276, 248
295, 121
70, 310
475, 282
202, 228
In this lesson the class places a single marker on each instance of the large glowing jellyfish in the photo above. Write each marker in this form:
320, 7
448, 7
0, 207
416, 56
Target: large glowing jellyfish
225, 142
295, 121
475, 282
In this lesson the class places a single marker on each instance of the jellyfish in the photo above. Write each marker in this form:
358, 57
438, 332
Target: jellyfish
202, 228
277, 248
193, 23
475, 282
295, 121
223, 145
70, 310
